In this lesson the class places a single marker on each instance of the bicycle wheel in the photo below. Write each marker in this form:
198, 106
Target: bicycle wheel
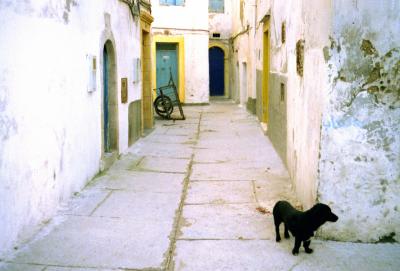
163, 106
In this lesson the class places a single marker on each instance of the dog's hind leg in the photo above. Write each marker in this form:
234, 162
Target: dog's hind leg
287, 236
306, 245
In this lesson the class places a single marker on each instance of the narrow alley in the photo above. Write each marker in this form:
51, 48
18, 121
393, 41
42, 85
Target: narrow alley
192, 195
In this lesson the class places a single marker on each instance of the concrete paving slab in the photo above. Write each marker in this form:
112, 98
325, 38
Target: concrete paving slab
150, 207
94, 242
168, 139
337, 256
220, 192
21, 267
140, 181
226, 171
85, 203
125, 162
269, 255
257, 157
225, 221
232, 255
237, 155
182, 132
268, 193
162, 150
228, 143
173, 165
78, 269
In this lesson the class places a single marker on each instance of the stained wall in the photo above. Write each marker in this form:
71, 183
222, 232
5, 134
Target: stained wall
359, 168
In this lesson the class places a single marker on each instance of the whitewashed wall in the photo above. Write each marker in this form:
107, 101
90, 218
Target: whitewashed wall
222, 22
343, 129
244, 49
294, 123
50, 126
360, 144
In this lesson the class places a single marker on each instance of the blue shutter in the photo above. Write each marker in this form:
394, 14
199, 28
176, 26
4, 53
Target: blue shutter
172, 2
216, 6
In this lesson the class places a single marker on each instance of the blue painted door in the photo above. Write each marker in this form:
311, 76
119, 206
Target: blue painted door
216, 70
106, 123
166, 61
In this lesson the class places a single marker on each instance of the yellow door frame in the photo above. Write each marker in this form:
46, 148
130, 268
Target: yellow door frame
147, 84
179, 40
265, 75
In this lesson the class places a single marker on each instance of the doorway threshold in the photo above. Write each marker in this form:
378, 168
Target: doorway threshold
107, 159
264, 127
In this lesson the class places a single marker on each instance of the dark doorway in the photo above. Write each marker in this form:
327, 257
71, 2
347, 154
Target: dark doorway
106, 123
110, 100
216, 70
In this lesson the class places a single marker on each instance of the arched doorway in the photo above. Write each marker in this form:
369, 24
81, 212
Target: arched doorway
216, 69
110, 100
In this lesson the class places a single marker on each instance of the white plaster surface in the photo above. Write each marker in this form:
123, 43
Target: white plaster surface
360, 145
50, 126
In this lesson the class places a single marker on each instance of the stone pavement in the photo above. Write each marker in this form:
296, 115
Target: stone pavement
187, 197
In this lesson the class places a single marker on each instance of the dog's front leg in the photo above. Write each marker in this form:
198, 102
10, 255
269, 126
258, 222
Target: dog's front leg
278, 236
297, 244
277, 222
306, 245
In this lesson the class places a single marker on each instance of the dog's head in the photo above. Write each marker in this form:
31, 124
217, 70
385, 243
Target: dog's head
324, 213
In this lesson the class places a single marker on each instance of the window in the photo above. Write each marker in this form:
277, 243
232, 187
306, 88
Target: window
172, 2
216, 6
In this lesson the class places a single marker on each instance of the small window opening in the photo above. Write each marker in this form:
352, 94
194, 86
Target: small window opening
283, 32
282, 92
300, 56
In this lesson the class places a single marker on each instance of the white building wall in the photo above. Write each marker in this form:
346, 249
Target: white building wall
243, 44
221, 22
191, 22
50, 126
342, 129
294, 120
360, 143
193, 15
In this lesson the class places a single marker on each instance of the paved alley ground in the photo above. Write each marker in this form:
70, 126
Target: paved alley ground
185, 198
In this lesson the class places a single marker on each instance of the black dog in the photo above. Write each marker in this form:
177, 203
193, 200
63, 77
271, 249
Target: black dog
301, 224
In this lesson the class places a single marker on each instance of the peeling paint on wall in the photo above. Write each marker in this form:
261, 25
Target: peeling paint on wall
360, 143
370, 72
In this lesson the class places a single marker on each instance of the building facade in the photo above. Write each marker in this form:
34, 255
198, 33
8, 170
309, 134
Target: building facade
71, 100
180, 47
325, 80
